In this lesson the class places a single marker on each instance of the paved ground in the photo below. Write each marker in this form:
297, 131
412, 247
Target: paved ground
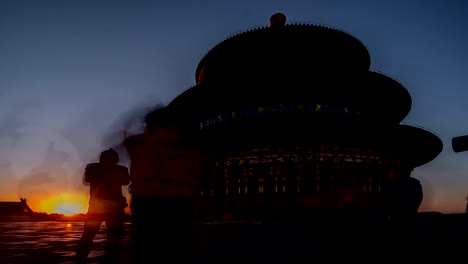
54, 242
42, 242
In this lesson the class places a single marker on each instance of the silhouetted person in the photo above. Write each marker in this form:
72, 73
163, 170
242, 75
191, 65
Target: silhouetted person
105, 179
167, 167
402, 197
124, 204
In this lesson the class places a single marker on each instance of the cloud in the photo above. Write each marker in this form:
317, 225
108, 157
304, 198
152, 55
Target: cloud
48, 175
127, 123
103, 126
9, 181
36, 180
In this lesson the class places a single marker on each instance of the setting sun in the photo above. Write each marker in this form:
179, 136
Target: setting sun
66, 204
69, 209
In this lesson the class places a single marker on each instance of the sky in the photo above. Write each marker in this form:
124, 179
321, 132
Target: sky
75, 74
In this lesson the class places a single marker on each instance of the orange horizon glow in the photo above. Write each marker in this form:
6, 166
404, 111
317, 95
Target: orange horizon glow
67, 204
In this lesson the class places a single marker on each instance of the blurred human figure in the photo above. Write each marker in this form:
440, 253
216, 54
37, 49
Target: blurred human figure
403, 196
105, 179
166, 171
124, 204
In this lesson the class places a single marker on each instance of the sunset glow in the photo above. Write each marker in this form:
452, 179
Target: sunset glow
66, 204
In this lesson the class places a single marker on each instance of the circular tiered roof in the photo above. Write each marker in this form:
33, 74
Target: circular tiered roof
382, 98
295, 49
295, 76
414, 144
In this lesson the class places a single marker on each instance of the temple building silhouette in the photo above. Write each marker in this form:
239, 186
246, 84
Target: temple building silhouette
298, 122
16, 212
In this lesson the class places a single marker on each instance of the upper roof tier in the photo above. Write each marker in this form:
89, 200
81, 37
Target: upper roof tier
371, 97
289, 49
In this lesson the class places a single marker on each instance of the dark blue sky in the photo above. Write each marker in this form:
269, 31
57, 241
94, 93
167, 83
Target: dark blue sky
70, 70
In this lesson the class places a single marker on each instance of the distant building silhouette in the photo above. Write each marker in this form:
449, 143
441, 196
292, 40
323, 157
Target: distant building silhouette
299, 124
16, 211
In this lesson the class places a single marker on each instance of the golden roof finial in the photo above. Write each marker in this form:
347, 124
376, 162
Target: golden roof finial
277, 20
